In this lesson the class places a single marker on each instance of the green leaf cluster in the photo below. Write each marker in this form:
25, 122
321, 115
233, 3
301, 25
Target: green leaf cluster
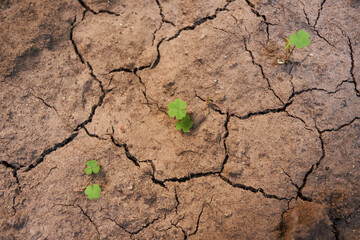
93, 192
299, 40
92, 167
177, 109
185, 124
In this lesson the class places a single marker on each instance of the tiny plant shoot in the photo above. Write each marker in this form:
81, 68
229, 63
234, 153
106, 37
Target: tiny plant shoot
92, 167
185, 124
177, 109
93, 192
296, 40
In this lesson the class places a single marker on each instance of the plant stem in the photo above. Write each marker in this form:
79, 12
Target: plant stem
288, 54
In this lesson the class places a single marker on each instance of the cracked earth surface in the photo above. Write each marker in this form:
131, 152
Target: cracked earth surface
275, 155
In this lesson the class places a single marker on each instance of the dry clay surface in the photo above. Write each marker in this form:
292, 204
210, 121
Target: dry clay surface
274, 155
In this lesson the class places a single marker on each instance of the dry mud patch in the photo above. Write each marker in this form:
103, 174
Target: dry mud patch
275, 155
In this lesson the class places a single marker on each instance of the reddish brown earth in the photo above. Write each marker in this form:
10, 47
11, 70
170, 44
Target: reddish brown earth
276, 155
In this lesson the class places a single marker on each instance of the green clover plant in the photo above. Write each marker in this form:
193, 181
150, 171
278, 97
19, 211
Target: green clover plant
92, 167
93, 192
185, 124
177, 109
296, 40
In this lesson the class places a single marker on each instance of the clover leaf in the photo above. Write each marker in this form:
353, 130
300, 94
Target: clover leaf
177, 108
93, 192
185, 124
92, 167
300, 40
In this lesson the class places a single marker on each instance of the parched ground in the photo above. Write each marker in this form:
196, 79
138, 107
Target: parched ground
275, 155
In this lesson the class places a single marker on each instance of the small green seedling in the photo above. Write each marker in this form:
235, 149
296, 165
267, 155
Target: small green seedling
177, 109
93, 192
297, 40
185, 124
92, 167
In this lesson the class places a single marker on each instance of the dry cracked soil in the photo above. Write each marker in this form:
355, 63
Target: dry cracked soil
274, 155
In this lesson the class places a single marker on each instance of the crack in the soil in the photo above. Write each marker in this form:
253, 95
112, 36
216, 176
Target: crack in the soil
323, 38
340, 127
157, 60
200, 21
129, 156
182, 230
89, 218
191, 27
189, 177
136, 69
264, 112
186, 235
146, 225
344, 81
197, 222
154, 33
261, 70
177, 201
212, 105
121, 69
14, 170
314, 26
81, 125
46, 104
253, 10
98, 104
226, 124
87, 8
204, 174
50, 150
73, 41
352, 68
319, 12
335, 228
250, 114
290, 178
200, 174
69, 139
93, 135
310, 90
82, 211
219, 173
147, 98
313, 167
300, 119
252, 189
152, 175
108, 12
163, 19
282, 226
